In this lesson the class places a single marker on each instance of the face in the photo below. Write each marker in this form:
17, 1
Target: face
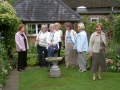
51, 29
43, 30
22, 29
98, 29
67, 28
56, 28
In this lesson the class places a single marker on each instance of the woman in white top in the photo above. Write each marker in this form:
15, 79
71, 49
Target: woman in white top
70, 53
60, 33
52, 40
41, 38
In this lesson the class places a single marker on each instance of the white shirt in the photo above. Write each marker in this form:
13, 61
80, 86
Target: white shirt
55, 39
60, 34
42, 37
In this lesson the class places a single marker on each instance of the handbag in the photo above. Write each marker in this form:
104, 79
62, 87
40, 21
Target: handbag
36, 42
56, 48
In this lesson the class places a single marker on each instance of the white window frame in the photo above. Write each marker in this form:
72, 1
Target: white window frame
36, 28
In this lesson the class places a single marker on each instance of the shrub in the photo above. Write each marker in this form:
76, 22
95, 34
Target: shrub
8, 23
117, 29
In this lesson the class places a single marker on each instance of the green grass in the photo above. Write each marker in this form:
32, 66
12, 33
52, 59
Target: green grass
38, 79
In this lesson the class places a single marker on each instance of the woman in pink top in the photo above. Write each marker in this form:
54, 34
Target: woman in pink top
21, 46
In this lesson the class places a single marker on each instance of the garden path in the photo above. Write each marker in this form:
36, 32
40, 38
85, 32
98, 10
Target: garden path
12, 82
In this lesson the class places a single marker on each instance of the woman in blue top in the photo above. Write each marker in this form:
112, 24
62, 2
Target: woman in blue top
81, 45
70, 53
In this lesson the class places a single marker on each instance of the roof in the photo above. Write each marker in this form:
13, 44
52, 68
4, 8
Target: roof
92, 3
45, 10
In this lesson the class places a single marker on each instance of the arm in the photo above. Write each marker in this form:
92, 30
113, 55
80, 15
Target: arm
48, 38
17, 42
37, 38
56, 38
80, 43
91, 44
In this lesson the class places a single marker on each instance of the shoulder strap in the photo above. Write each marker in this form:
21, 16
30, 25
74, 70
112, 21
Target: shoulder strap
39, 33
53, 36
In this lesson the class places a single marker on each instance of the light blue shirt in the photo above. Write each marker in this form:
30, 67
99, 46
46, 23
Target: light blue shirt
81, 42
69, 39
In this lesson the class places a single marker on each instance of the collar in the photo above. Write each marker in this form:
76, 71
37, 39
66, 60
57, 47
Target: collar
98, 34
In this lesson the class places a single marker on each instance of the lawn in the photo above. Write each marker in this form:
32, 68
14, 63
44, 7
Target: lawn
38, 79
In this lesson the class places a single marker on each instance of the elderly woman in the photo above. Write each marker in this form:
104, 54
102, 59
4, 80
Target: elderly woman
42, 44
70, 53
59, 32
81, 45
97, 51
21, 46
52, 40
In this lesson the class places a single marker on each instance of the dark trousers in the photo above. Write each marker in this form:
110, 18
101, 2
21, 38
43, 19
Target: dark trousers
22, 60
59, 49
42, 51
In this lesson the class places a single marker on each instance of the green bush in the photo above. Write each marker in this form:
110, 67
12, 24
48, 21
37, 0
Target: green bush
32, 59
62, 52
4, 63
112, 53
31, 62
117, 29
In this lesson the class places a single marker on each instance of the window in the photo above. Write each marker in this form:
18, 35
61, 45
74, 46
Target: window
33, 29
94, 19
98, 19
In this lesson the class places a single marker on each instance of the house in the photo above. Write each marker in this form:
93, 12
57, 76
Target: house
34, 13
96, 9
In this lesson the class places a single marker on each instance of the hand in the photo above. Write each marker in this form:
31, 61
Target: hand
90, 54
37, 40
51, 44
21, 49
105, 52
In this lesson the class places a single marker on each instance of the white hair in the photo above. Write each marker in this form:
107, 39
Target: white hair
81, 25
44, 27
52, 25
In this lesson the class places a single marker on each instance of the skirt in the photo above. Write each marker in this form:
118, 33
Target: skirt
98, 59
70, 54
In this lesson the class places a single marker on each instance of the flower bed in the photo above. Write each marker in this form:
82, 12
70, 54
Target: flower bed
112, 65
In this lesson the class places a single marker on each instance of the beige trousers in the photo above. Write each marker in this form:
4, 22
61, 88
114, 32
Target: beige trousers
70, 54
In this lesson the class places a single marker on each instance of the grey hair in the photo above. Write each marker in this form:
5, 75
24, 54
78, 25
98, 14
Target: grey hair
82, 26
44, 26
52, 25
68, 24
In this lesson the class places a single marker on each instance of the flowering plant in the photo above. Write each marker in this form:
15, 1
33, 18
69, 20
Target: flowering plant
113, 64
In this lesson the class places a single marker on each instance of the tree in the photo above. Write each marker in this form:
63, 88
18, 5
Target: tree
8, 23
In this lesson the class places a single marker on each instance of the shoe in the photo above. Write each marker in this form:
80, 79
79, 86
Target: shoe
73, 66
94, 79
81, 70
66, 67
99, 78
20, 70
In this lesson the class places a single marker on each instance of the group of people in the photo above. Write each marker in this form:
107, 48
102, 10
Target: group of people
47, 41
76, 46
